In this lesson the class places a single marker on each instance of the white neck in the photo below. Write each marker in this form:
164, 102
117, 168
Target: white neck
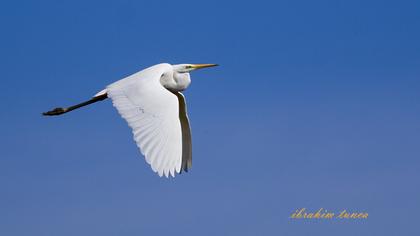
175, 81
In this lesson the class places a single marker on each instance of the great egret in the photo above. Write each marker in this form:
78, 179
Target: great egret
152, 104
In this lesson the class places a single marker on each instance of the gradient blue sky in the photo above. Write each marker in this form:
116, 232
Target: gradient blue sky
315, 104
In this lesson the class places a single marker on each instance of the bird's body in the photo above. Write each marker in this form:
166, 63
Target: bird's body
152, 104
152, 112
168, 77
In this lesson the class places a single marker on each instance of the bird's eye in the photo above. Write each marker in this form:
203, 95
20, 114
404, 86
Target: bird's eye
188, 67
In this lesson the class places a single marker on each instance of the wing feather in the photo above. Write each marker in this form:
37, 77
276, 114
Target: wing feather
153, 114
186, 163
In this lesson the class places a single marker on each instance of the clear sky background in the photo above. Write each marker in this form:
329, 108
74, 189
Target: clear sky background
315, 104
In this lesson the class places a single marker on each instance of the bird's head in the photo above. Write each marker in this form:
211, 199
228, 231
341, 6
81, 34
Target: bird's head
179, 78
185, 68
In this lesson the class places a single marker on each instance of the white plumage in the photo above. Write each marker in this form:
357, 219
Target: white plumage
152, 104
152, 113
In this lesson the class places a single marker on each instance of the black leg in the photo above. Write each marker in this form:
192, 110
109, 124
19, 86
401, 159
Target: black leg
59, 110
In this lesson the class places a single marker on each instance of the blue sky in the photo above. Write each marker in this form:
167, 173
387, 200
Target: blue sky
315, 104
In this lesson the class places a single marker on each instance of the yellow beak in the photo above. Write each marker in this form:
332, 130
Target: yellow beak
200, 66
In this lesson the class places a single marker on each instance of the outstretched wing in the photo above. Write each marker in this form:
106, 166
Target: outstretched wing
152, 112
186, 133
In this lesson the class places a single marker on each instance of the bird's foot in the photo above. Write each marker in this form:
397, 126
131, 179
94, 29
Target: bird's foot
55, 112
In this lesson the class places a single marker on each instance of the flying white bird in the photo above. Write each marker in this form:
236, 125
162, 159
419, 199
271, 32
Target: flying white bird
152, 104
